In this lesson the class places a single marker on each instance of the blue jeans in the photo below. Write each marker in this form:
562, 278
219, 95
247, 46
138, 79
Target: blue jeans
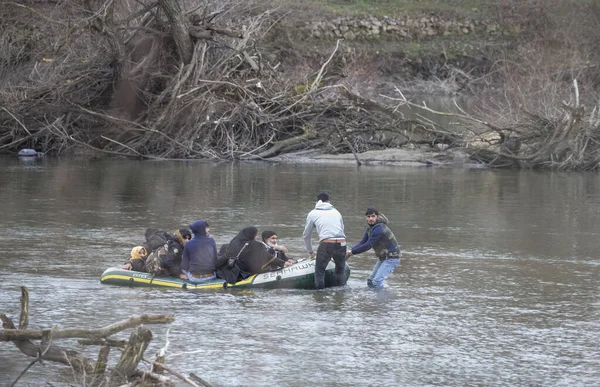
381, 271
194, 280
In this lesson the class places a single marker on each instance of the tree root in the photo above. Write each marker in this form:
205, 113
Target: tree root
93, 371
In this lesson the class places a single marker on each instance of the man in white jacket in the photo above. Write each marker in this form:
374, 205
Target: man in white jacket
332, 240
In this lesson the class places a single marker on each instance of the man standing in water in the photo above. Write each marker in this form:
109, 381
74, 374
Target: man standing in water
332, 240
379, 237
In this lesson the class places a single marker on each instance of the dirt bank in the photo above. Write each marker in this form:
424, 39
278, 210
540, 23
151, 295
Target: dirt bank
389, 157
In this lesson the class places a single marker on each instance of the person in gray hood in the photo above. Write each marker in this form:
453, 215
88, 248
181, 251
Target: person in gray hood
332, 240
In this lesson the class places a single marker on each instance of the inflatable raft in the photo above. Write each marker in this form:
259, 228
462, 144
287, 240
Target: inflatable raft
298, 276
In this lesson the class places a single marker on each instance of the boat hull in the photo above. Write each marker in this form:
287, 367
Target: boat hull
298, 276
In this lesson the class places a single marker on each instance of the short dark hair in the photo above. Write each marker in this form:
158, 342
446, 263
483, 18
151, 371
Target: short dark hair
371, 211
324, 197
267, 234
185, 233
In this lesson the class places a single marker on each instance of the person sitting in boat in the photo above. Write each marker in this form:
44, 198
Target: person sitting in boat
252, 256
233, 265
137, 261
163, 252
278, 254
199, 260
171, 262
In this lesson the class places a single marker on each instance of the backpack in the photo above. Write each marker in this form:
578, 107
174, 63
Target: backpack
154, 262
157, 238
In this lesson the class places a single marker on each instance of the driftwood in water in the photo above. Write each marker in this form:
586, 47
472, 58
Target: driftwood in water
92, 372
138, 342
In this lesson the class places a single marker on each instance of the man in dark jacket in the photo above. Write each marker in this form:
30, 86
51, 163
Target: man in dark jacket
171, 262
379, 237
199, 259
276, 257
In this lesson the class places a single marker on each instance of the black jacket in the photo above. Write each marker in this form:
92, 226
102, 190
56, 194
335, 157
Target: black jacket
138, 264
172, 261
238, 246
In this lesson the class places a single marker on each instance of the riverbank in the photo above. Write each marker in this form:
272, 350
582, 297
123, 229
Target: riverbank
406, 157
263, 80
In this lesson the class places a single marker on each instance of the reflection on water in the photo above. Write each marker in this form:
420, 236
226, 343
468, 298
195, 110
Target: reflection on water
498, 284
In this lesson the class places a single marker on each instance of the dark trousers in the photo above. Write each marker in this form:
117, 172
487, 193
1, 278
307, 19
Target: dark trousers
325, 252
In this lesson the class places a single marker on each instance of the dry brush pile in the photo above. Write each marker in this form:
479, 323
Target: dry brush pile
538, 108
172, 80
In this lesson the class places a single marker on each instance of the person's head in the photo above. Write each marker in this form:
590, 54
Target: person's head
183, 236
371, 215
323, 196
249, 232
138, 252
269, 237
200, 228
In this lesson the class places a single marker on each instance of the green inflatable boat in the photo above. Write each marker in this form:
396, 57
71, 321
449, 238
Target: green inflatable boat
298, 276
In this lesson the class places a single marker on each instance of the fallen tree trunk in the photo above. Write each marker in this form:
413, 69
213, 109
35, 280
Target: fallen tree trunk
25, 334
90, 371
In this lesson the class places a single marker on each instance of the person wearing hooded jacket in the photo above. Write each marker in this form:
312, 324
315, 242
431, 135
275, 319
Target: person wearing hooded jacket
248, 253
243, 255
238, 246
137, 262
233, 253
379, 237
199, 260
332, 240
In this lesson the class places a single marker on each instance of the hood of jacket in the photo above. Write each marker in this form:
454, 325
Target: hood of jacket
323, 206
237, 243
199, 228
247, 234
381, 219
138, 252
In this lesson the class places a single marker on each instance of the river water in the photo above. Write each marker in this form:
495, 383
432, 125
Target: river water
499, 283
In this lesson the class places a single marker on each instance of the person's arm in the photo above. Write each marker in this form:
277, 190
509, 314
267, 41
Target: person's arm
362, 241
215, 253
138, 265
287, 261
307, 234
126, 265
368, 242
185, 262
281, 249
168, 262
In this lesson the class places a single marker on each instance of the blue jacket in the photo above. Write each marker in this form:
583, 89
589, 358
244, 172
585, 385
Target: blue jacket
379, 237
200, 253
